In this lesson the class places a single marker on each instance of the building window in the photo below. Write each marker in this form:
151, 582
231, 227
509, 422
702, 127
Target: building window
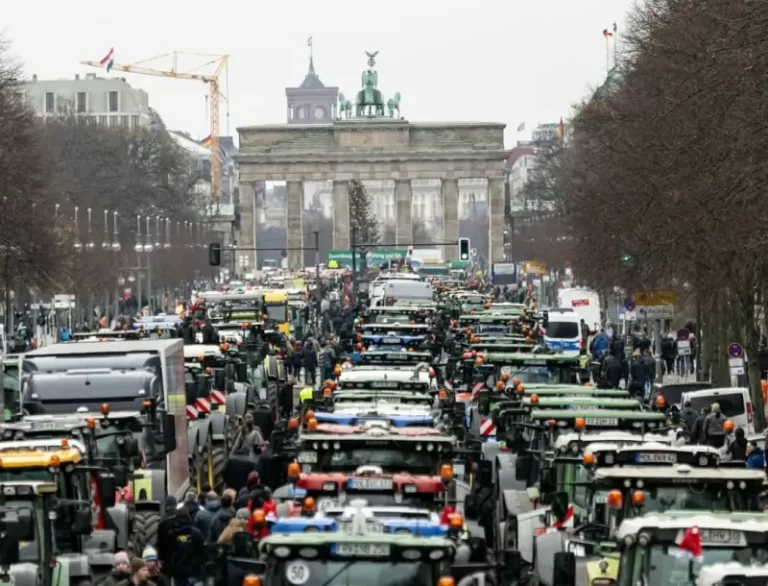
113, 102
50, 102
134, 121
82, 102
102, 120
124, 121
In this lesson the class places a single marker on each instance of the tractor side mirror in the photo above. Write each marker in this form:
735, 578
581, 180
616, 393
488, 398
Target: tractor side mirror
107, 486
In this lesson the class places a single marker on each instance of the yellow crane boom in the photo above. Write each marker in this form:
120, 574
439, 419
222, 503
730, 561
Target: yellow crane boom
219, 64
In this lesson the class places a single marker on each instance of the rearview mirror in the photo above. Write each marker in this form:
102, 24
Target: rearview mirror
107, 486
218, 378
471, 509
169, 433
560, 505
241, 372
564, 572
511, 563
523, 467
82, 523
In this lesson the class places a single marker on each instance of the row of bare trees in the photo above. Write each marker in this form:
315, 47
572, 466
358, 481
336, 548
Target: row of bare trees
661, 181
49, 168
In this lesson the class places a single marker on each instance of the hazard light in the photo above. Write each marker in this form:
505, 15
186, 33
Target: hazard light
105, 409
251, 580
446, 472
446, 581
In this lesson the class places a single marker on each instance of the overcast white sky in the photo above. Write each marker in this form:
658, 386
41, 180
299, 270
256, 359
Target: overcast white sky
487, 60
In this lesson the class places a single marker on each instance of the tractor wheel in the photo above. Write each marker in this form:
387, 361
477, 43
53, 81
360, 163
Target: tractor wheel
219, 458
144, 530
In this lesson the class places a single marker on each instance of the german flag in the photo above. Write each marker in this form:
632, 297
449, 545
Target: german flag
206, 142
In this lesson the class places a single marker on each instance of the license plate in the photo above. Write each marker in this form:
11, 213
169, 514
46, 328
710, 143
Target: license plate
384, 385
307, 458
390, 340
602, 421
371, 526
370, 484
721, 537
363, 549
656, 458
325, 504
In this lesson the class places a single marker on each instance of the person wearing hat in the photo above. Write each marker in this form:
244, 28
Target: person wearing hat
149, 555
120, 571
139, 575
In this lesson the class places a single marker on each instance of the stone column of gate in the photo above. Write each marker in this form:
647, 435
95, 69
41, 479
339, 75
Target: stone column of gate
495, 220
450, 191
248, 221
340, 211
294, 212
403, 211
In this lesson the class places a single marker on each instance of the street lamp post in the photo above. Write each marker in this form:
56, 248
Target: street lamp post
138, 247
148, 246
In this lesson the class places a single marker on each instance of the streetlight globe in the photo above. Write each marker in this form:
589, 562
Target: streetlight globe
167, 245
78, 246
131, 278
106, 245
90, 245
121, 281
116, 246
138, 247
148, 247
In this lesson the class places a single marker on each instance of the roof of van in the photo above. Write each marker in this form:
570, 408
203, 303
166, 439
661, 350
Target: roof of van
714, 391
117, 346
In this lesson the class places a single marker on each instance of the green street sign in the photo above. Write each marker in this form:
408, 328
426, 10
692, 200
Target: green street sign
376, 256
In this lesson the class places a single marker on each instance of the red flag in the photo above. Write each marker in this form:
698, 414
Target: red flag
606, 33
690, 544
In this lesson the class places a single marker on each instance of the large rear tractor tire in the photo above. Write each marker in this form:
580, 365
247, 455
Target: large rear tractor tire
144, 531
219, 458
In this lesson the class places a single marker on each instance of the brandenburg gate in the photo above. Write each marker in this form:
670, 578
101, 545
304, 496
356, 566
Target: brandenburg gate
364, 143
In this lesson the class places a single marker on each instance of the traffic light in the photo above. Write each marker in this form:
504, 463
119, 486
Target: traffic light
214, 254
463, 248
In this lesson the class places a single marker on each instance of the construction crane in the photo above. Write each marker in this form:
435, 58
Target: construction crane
219, 64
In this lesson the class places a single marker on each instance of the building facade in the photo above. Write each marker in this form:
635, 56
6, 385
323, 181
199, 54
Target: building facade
109, 101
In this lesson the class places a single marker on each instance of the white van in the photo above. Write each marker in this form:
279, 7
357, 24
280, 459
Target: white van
563, 332
585, 302
735, 403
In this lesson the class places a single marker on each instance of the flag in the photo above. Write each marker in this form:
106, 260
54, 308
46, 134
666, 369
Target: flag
108, 60
560, 129
521, 127
607, 34
690, 545
206, 142
309, 42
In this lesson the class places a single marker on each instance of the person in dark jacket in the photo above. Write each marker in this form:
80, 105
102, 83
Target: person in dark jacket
689, 415
697, 434
187, 559
138, 574
225, 514
164, 528
738, 447
209, 333
244, 494
611, 370
206, 515
120, 572
191, 504
309, 359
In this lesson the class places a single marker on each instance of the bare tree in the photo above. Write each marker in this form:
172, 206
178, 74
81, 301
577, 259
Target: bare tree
663, 183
